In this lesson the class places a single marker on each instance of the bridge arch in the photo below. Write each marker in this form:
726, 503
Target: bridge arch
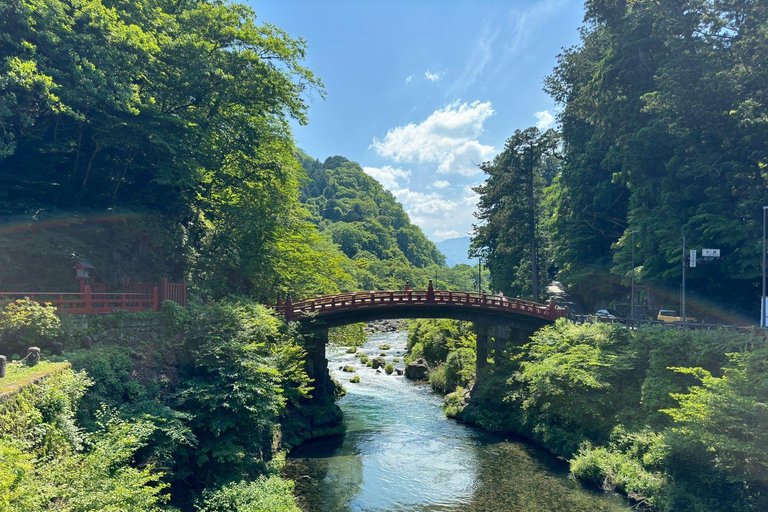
497, 319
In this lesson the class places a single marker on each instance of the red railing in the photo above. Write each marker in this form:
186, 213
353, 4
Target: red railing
140, 298
393, 299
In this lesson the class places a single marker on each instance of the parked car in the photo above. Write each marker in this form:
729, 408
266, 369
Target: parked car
670, 315
604, 314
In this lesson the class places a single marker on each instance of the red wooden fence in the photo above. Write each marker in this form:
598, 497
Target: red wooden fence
140, 297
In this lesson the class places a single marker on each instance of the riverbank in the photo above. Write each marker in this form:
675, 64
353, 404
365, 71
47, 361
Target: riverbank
656, 414
400, 453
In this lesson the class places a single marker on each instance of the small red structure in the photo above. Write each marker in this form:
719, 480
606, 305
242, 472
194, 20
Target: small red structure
83, 274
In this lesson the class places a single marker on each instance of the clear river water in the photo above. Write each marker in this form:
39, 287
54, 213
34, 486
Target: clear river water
400, 453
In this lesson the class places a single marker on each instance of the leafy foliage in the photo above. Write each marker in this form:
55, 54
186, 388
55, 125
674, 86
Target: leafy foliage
672, 418
25, 323
262, 495
435, 339
47, 460
661, 103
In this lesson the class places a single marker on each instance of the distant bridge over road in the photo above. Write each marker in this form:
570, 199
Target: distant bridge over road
497, 319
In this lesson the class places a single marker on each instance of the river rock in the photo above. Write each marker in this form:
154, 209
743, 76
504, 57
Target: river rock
378, 362
398, 371
33, 356
384, 326
417, 370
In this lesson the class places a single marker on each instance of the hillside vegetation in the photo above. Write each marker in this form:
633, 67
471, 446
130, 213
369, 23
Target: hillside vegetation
674, 419
662, 133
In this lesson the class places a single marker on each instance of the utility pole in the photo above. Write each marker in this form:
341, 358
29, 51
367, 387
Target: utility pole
632, 296
762, 298
682, 299
532, 220
479, 274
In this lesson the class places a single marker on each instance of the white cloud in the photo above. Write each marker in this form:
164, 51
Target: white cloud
388, 176
408, 78
419, 203
441, 235
545, 120
476, 64
448, 138
441, 184
470, 197
433, 77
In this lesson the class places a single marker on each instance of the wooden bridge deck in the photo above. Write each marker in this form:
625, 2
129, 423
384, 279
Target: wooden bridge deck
316, 307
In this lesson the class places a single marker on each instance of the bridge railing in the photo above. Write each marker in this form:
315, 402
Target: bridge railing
395, 298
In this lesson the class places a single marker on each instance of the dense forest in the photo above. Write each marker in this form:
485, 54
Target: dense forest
162, 127
152, 138
663, 126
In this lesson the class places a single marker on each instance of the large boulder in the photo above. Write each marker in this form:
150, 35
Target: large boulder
417, 370
378, 362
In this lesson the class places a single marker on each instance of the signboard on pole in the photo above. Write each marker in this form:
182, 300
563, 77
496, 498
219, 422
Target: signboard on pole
692, 259
710, 253
764, 313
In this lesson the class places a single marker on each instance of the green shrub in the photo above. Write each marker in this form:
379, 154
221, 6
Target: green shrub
25, 323
435, 339
614, 470
437, 379
389, 369
453, 402
460, 368
355, 379
348, 369
352, 335
267, 493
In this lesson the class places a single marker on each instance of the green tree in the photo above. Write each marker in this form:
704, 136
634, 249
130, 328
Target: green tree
510, 233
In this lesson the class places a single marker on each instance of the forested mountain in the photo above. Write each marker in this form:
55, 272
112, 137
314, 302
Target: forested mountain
456, 250
367, 223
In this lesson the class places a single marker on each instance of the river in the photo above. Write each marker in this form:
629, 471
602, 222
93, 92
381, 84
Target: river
401, 454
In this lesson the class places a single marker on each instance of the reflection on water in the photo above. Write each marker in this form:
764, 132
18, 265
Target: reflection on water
400, 453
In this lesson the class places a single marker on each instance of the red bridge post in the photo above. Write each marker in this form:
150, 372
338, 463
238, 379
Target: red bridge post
288, 308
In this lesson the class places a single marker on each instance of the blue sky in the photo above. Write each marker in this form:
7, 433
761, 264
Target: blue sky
421, 92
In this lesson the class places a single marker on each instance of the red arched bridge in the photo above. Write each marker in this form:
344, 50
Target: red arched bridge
346, 308
497, 319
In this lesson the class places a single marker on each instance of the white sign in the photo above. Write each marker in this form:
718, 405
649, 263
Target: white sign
764, 312
710, 253
692, 259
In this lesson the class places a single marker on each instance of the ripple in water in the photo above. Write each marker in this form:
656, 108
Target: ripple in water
400, 453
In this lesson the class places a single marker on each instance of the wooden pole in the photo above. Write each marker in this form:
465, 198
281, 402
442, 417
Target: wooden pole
87, 293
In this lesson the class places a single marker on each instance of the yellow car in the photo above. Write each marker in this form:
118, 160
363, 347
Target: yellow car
669, 315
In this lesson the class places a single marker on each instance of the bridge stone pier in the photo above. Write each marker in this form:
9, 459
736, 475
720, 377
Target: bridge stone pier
493, 338
498, 320
316, 339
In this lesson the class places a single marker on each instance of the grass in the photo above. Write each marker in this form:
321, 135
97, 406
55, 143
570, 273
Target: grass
18, 375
